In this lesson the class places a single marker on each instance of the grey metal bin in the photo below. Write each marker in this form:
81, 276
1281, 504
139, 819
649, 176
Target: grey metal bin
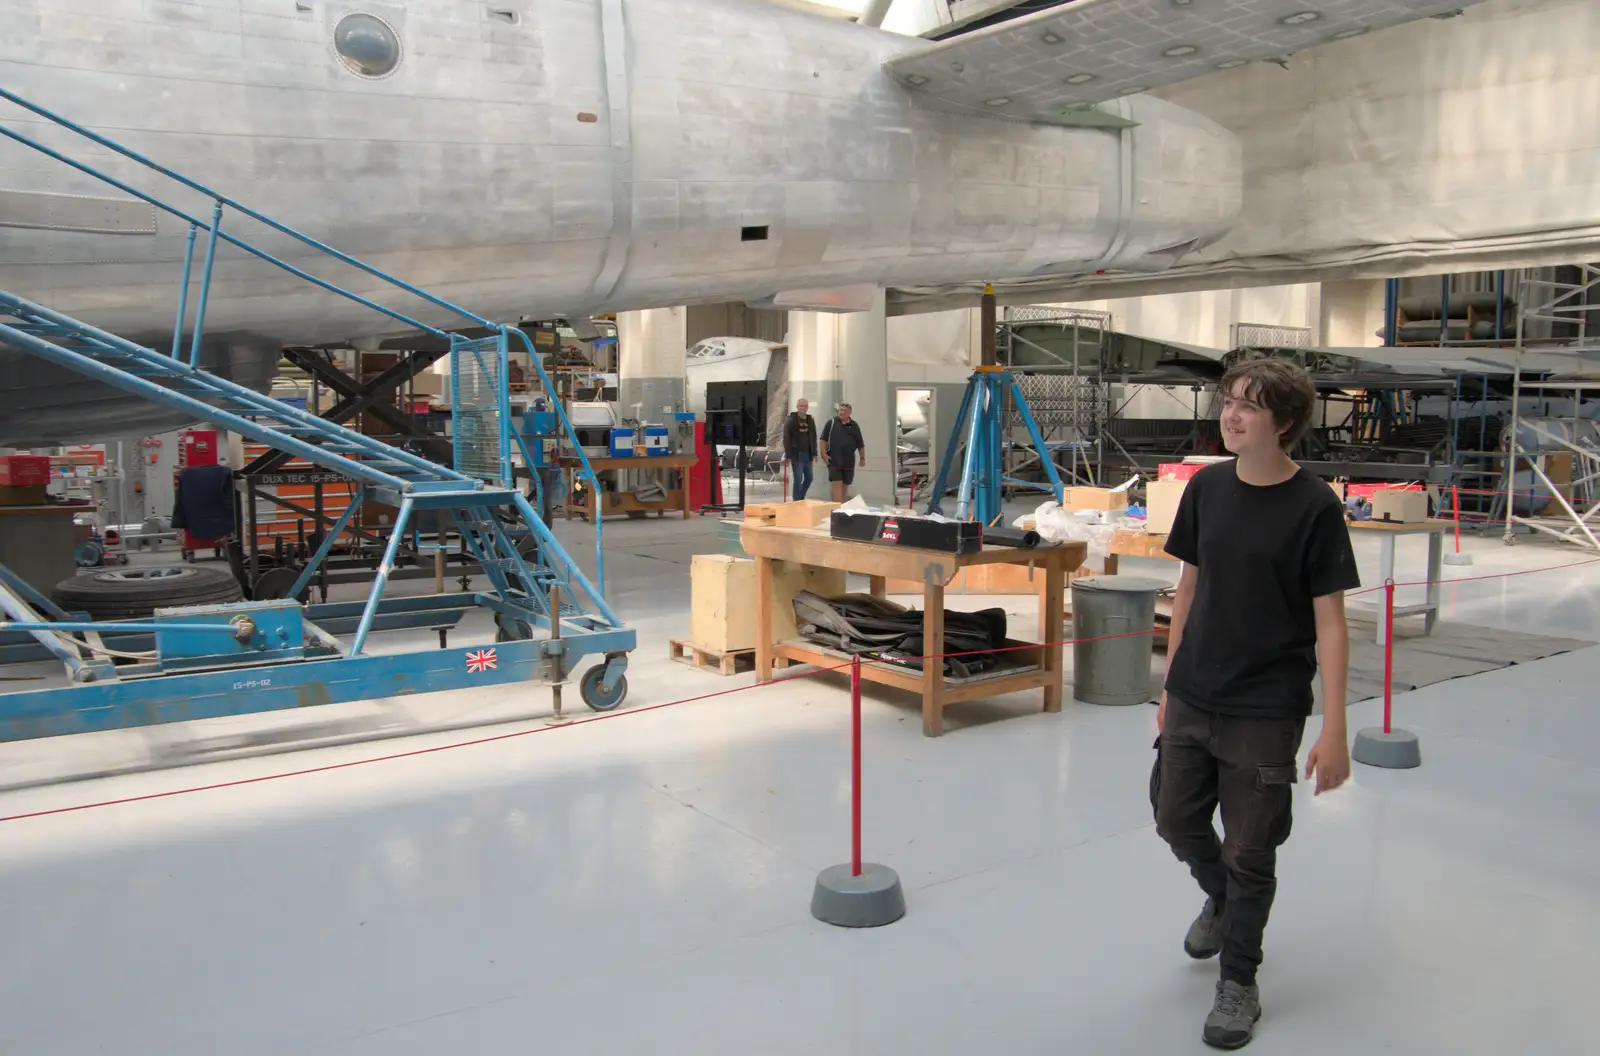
1113, 670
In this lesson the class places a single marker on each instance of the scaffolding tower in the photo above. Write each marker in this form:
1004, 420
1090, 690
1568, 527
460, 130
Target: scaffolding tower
1056, 355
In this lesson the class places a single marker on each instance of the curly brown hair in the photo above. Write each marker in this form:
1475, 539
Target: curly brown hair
1282, 387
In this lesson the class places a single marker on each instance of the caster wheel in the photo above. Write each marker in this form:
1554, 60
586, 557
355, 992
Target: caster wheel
519, 632
595, 695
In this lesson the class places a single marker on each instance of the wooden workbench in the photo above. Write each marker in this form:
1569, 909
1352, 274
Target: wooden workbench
1036, 668
623, 502
1388, 532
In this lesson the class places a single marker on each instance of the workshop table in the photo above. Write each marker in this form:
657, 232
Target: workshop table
624, 502
1388, 532
1040, 666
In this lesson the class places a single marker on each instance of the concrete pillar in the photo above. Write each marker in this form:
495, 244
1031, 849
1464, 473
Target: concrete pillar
864, 366
844, 358
650, 360
1351, 314
814, 362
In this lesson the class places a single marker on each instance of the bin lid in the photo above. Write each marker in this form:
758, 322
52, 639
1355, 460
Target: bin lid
1127, 584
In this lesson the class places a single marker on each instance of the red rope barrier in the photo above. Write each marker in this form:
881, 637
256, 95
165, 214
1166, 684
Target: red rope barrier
854, 664
855, 766
1455, 507
1388, 653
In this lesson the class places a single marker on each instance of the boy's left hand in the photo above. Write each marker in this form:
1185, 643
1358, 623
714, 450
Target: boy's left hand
1329, 760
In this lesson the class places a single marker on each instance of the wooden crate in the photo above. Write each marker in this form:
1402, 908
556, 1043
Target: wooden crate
729, 663
722, 606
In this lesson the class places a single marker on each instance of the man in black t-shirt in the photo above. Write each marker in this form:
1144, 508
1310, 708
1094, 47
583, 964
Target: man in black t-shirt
1266, 561
800, 446
842, 443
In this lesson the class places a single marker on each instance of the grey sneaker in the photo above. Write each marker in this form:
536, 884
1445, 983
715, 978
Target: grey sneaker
1205, 934
1232, 1022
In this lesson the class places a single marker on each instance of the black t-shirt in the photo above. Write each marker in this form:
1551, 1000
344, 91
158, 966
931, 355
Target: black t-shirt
843, 440
1263, 553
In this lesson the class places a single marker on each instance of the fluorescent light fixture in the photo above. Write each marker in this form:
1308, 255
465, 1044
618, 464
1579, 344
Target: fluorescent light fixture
1134, 89
1231, 64
999, 100
916, 79
1346, 34
1080, 78
1300, 18
1178, 51
1050, 38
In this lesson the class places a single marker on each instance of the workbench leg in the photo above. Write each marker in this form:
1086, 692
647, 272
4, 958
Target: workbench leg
1053, 632
1111, 564
878, 586
683, 484
933, 669
1435, 575
764, 619
1385, 574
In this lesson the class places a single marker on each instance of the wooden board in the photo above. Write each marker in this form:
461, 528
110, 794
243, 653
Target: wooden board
728, 663
1132, 542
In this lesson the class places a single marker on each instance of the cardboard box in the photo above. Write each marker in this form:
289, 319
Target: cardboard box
32, 495
1338, 489
1081, 498
1176, 470
804, 513
1161, 504
1400, 506
722, 609
24, 471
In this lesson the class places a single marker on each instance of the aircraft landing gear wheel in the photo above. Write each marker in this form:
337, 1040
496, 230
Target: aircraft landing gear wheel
594, 693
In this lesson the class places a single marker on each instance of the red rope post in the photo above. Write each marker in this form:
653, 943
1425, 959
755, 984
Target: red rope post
855, 766
1455, 507
1388, 653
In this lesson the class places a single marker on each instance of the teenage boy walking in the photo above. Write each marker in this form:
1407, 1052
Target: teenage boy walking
1266, 561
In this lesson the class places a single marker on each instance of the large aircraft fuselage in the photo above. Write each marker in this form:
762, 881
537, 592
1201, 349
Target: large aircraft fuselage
529, 158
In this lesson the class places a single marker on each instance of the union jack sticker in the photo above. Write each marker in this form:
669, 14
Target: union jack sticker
480, 660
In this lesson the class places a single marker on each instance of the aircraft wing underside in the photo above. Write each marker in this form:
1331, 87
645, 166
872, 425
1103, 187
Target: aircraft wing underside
1053, 66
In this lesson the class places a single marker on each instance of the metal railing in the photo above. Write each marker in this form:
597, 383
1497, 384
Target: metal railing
213, 229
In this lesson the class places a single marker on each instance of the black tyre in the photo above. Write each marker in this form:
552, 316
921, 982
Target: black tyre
132, 593
274, 584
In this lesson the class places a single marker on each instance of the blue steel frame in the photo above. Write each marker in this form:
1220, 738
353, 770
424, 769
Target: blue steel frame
214, 231
103, 700
979, 495
296, 684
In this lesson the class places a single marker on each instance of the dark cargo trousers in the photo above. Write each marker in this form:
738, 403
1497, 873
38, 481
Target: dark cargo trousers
1247, 766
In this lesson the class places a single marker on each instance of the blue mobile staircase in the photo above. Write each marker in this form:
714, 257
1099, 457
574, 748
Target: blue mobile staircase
535, 584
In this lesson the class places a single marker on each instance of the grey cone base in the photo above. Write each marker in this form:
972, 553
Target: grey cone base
870, 900
1395, 750
1453, 558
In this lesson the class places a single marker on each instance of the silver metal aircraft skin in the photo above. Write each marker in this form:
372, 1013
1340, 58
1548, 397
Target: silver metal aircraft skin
528, 158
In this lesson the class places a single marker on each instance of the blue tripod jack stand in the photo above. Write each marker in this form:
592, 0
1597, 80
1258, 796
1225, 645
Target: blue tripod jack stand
980, 423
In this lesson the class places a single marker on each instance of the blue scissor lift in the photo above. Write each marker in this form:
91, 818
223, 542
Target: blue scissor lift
257, 656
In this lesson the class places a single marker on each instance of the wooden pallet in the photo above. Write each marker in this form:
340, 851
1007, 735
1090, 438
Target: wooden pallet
729, 663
